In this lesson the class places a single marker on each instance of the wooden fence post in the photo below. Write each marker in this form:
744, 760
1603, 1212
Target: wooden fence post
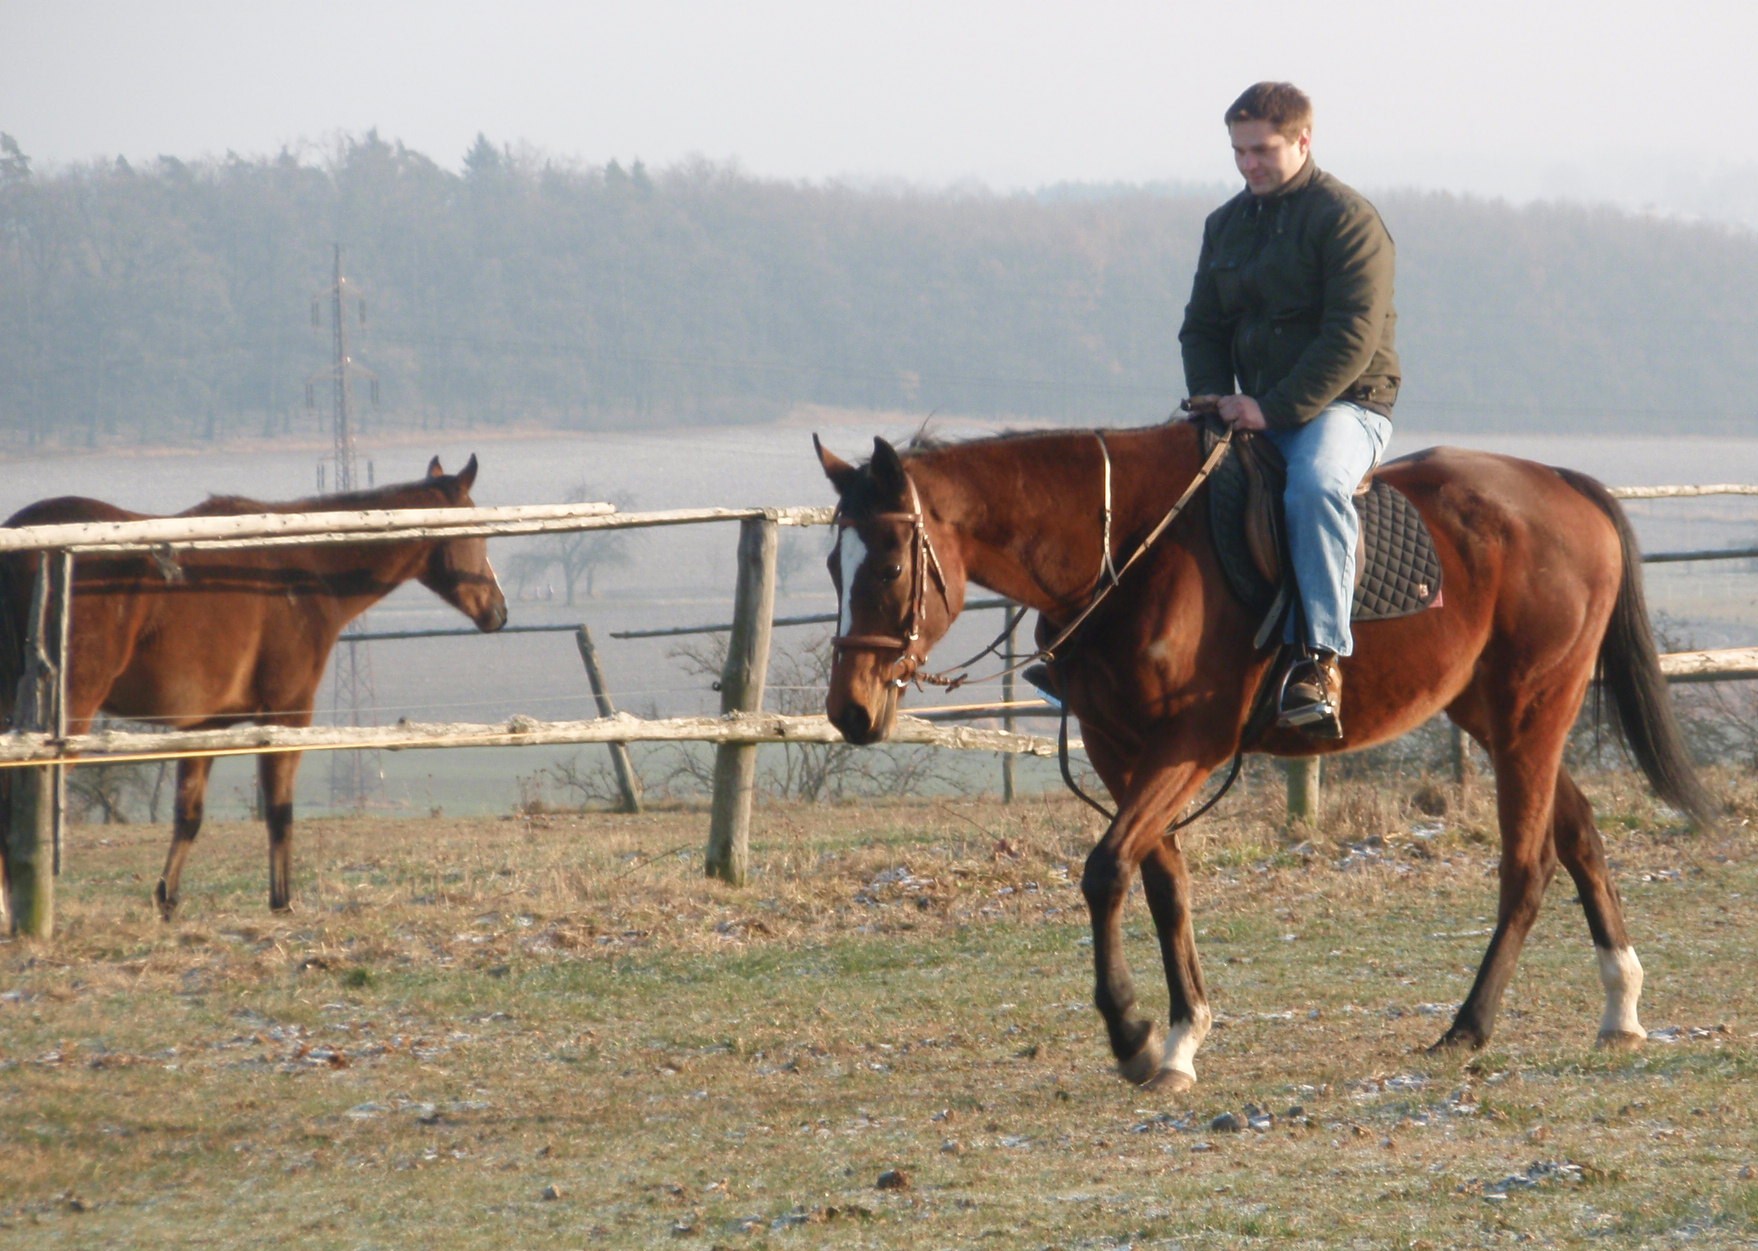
1007, 661
1463, 768
1305, 800
34, 835
741, 690
628, 781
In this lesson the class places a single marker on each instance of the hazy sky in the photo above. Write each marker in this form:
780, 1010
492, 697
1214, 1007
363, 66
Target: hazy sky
1643, 103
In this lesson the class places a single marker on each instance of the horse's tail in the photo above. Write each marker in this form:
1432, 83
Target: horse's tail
1629, 667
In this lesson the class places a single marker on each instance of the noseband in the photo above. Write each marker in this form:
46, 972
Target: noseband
922, 556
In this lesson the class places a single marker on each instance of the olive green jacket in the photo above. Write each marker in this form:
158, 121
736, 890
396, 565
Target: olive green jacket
1293, 302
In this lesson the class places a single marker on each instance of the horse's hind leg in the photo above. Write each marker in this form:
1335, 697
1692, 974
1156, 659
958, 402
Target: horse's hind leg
1527, 759
1583, 854
192, 789
276, 771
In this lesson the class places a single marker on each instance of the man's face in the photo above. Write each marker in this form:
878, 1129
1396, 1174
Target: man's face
1266, 158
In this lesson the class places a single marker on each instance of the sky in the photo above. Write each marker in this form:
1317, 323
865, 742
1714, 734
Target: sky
1638, 104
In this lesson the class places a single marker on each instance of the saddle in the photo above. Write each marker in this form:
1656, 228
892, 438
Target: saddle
1396, 570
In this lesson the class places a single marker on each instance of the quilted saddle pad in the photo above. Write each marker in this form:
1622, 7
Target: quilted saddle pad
1397, 570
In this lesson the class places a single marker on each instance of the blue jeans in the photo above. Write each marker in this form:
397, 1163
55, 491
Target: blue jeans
1327, 459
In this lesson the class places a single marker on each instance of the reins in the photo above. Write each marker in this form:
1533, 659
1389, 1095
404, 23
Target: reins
1107, 580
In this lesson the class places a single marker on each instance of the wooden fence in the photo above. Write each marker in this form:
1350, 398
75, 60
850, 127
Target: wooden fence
40, 747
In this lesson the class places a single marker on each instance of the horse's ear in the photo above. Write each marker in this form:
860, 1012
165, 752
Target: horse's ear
467, 475
887, 469
434, 470
842, 475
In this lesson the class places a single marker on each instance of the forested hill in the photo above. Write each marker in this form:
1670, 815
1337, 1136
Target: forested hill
174, 301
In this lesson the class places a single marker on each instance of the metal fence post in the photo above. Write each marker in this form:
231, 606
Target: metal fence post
741, 690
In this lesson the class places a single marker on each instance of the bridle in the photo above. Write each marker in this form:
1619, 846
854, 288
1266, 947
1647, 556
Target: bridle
922, 556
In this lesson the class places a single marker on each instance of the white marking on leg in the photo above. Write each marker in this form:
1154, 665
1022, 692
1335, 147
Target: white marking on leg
1185, 1038
1621, 975
853, 552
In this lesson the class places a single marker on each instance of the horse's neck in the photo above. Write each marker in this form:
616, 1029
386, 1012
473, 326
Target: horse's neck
358, 575
1030, 512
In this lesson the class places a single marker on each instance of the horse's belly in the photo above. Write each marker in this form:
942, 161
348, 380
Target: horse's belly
181, 693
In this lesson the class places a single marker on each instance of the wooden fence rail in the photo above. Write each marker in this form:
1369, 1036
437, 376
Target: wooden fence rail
43, 748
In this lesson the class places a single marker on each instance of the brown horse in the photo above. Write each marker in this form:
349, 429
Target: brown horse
1542, 584
224, 637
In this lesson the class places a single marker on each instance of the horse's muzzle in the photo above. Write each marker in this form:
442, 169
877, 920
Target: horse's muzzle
862, 725
856, 725
491, 618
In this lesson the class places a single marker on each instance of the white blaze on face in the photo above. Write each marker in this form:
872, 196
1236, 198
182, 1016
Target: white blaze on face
853, 552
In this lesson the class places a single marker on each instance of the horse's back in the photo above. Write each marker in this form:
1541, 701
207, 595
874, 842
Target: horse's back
1517, 539
1485, 496
70, 510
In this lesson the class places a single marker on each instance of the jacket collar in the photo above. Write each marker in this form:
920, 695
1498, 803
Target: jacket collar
1303, 178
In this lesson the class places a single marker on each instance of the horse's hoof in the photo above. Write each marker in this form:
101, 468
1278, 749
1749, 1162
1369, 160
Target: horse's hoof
167, 904
1453, 1042
1143, 1068
1170, 1081
1620, 1040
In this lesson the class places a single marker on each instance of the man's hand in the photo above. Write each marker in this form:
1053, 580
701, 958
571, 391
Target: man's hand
1241, 412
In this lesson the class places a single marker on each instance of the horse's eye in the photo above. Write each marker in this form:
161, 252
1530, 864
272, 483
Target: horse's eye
891, 573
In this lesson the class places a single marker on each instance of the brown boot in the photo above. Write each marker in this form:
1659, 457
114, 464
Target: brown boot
1312, 699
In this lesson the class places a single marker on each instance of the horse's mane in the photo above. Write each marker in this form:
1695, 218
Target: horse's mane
342, 501
922, 441
925, 441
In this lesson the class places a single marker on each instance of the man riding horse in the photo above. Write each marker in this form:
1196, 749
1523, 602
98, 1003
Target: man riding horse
1289, 332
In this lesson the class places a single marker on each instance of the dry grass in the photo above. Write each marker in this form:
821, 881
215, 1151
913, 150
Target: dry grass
553, 1031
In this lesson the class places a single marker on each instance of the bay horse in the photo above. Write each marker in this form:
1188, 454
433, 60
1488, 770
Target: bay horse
223, 637
1542, 585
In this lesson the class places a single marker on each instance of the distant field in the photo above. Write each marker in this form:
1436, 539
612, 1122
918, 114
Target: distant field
551, 1031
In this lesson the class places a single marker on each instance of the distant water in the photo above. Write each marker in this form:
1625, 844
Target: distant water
684, 575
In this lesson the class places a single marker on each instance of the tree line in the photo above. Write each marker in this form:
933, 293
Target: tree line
173, 301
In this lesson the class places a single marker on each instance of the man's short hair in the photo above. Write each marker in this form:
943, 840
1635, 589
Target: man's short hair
1283, 105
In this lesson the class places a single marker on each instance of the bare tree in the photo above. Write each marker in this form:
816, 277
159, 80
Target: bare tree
578, 557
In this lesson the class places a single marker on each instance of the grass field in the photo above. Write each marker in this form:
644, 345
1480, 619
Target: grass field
552, 1031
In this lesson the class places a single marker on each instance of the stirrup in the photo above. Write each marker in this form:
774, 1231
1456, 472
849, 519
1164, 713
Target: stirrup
1041, 678
1320, 719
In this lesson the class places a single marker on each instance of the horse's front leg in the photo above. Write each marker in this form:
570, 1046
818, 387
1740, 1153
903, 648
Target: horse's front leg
1166, 881
192, 789
276, 771
1161, 787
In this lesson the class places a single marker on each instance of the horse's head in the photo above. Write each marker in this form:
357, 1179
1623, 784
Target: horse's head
896, 596
458, 570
